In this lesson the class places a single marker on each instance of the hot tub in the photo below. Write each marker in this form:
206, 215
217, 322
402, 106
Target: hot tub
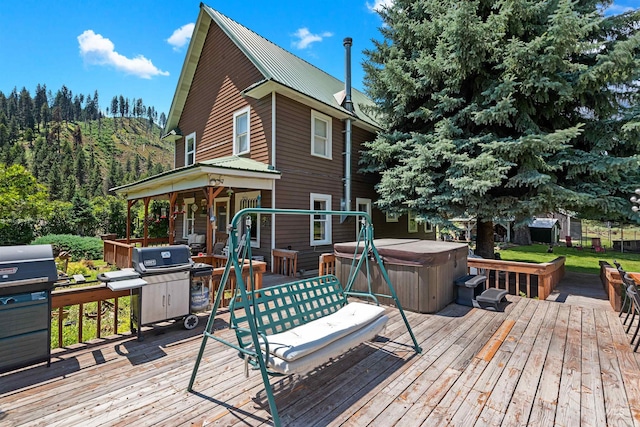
422, 271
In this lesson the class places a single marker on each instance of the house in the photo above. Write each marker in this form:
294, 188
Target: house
256, 126
545, 230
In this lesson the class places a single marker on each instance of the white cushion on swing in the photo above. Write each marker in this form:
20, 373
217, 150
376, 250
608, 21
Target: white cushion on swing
310, 337
323, 355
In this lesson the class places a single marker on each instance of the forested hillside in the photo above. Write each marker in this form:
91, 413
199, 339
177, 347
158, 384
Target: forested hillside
73, 144
60, 153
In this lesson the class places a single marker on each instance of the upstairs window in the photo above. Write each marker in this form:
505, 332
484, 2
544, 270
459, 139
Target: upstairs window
320, 135
241, 128
190, 149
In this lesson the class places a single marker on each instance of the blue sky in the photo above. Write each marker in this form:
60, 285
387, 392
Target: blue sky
126, 47
136, 48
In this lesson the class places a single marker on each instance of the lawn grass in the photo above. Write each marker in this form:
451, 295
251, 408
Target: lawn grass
580, 261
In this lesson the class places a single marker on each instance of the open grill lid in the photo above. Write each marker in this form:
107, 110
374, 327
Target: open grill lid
28, 268
161, 259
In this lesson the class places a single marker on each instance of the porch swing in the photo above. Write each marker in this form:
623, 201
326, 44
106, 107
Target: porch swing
294, 327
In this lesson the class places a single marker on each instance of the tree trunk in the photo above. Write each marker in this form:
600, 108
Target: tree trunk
484, 240
522, 236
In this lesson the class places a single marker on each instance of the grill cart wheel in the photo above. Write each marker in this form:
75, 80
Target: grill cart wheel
191, 321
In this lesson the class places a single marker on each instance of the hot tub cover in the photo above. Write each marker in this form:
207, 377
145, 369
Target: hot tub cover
411, 252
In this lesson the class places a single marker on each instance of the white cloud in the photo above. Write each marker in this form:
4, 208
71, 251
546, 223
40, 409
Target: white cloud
378, 5
99, 50
616, 9
181, 36
305, 38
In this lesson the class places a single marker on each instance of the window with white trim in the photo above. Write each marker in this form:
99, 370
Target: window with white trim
362, 205
241, 131
190, 149
320, 135
250, 199
320, 224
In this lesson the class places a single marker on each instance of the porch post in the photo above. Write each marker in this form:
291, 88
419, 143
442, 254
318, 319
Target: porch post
173, 196
210, 195
129, 204
209, 238
145, 239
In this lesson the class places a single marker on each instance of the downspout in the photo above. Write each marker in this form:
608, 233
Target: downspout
348, 105
273, 182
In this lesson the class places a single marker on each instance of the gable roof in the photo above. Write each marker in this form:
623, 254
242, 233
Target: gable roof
547, 223
282, 71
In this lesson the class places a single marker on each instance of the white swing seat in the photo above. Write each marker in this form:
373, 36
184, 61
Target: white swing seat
312, 344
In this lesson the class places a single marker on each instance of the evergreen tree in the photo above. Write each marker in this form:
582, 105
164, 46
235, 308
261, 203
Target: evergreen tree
39, 101
80, 167
122, 106
504, 109
54, 181
83, 219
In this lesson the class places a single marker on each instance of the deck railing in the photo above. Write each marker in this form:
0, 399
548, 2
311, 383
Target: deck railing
69, 305
612, 283
62, 300
519, 278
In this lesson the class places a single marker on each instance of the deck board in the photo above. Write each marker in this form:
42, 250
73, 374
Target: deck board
537, 363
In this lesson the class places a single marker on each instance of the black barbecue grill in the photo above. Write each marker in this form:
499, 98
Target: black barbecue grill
27, 276
160, 283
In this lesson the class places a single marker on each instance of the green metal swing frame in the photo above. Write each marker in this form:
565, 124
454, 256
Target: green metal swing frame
332, 296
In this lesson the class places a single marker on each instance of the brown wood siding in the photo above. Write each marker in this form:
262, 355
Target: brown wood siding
303, 174
223, 71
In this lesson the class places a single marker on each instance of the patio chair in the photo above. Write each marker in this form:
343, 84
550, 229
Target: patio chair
635, 300
596, 245
631, 289
623, 291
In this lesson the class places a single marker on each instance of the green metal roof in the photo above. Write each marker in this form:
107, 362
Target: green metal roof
240, 163
275, 63
198, 174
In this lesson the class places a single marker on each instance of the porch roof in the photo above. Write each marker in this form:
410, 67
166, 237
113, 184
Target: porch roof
231, 171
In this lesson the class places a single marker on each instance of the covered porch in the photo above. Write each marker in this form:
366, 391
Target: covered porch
202, 198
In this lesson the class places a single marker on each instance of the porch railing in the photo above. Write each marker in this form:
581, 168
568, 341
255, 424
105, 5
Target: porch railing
117, 253
519, 278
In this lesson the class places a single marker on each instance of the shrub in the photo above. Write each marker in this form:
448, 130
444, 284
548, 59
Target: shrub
77, 246
16, 232
78, 269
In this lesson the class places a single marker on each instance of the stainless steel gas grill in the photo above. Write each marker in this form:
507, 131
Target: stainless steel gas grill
27, 276
166, 269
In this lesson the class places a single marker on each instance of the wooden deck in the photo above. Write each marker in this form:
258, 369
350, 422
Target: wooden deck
539, 363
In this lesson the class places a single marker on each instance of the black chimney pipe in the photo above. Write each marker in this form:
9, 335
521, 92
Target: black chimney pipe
348, 104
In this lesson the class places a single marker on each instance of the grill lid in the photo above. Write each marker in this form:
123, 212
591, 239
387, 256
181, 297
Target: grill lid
26, 268
161, 258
